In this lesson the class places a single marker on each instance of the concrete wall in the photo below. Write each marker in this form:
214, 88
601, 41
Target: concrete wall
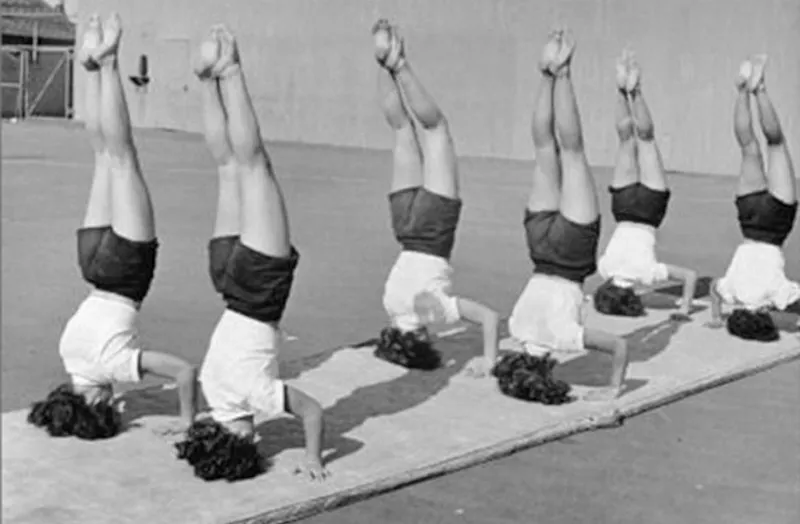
312, 72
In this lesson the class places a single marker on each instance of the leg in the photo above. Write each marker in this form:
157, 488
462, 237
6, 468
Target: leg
626, 170
780, 171
650, 162
546, 183
98, 208
751, 174
132, 209
407, 168
264, 221
578, 192
215, 127
407, 154
440, 165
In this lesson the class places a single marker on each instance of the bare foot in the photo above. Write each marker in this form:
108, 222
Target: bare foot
745, 72
389, 46
112, 34
564, 57
92, 39
228, 62
207, 55
634, 80
622, 71
382, 34
756, 81
550, 51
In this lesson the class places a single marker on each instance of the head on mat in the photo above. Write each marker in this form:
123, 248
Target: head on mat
752, 325
117, 247
610, 298
529, 377
215, 452
755, 281
69, 411
425, 206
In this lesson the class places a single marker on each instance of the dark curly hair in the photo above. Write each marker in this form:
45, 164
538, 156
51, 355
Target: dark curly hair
528, 377
216, 453
65, 413
411, 350
611, 299
752, 325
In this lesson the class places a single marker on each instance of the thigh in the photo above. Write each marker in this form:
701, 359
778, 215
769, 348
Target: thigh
545, 194
780, 174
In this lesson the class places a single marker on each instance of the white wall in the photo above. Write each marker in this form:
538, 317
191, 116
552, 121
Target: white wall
310, 67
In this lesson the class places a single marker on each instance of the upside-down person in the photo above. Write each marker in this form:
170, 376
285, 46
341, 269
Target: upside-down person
562, 226
425, 207
639, 198
766, 203
117, 247
251, 264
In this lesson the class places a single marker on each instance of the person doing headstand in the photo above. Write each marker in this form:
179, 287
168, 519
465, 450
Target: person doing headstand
425, 206
766, 204
639, 198
251, 263
117, 246
562, 226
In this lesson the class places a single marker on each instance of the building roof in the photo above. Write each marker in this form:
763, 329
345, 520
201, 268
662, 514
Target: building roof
52, 23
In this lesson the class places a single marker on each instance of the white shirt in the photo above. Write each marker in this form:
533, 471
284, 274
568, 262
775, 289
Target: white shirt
100, 343
630, 256
414, 273
240, 372
756, 278
549, 315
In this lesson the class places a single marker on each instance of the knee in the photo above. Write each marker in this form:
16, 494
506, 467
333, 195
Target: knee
646, 134
625, 129
434, 121
571, 142
751, 150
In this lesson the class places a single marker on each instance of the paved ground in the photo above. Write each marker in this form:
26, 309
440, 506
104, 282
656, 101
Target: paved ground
740, 443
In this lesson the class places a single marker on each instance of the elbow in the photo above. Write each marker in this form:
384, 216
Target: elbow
186, 375
621, 349
491, 318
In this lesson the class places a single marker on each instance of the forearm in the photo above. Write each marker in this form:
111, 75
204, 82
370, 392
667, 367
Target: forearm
309, 410
689, 279
170, 367
689, 287
716, 302
314, 427
490, 336
616, 347
619, 365
187, 393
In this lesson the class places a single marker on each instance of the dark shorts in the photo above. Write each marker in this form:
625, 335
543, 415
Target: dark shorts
560, 247
251, 283
639, 204
424, 221
115, 264
764, 218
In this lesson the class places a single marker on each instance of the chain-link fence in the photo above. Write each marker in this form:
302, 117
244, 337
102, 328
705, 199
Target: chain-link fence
37, 81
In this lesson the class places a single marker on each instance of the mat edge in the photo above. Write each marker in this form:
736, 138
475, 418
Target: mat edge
298, 511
